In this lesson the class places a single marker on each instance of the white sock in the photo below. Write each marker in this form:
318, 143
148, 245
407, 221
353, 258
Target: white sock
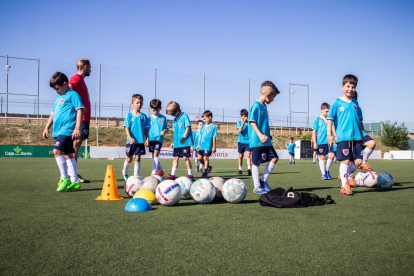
72, 170
201, 167
159, 167
156, 161
366, 154
197, 163
322, 166
190, 171
249, 167
329, 164
343, 172
293, 159
173, 171
351, 169
137, 166
256, 176
240, 168
313, 160
154, 166
126, 167
63, 167
269, 168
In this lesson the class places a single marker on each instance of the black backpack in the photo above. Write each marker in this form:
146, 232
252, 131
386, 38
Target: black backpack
282, 198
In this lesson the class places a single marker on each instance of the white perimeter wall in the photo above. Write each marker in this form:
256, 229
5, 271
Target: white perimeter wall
402, 154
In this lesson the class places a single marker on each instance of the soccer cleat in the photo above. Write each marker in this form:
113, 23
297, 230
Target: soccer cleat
328, 175
324, 177
249, 172
265, 185
171, 177
351, 182
294, 163
63, 184
290, 163
83, 180
191, 177
365, 167
346, 190
161, 173
259, 191
205, 174
239, 172
197, 170
125, 175
74, 185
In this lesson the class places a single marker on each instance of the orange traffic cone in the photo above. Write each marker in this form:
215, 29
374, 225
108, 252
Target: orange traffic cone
110, 188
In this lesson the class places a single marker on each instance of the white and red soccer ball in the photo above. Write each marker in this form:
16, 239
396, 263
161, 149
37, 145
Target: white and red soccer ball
132, 185
168, 193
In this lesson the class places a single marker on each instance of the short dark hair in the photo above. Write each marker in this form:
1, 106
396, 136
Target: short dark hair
172, 108
351, 79
355, 96
325, 105
291, 138
244, 112
200, 121
207, 113
155, 104
58, 78
137, 96
272, 85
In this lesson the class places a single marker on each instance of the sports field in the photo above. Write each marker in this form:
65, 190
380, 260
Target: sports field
43, 232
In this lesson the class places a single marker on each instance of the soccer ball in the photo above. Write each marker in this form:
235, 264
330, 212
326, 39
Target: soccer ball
149, 183
385, 181
203, 191
234, 190
132, 185
168, 193
359, 179
185, 184
370, 179
160, 179
218, 183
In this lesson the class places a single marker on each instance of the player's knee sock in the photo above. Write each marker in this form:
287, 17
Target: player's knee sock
249, 167
154, 166
351, 169
137, 166
197, 163
268, 170
322, 166
365, 154
190, 171
126, 167
256, 176
240, 168
343, 172
159, 167
329, 164
173, 171
72, 170
293, 159
63, 167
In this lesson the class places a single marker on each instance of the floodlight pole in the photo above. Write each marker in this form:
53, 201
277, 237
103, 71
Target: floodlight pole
7, 83
290, 111
204, 76
155, 91
249, 95
38, 84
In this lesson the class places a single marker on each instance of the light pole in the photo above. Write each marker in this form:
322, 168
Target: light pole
7, 83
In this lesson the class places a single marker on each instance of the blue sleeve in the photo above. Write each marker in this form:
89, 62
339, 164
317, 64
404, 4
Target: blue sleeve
215, 131
76, 101
147, 122
254, 114
359, 111
186, 121
165, 123
126, 121
54, 107
239, 123
332, 112
315, 124
201, 130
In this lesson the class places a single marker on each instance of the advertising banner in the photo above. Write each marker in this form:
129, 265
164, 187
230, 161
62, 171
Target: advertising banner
31, 151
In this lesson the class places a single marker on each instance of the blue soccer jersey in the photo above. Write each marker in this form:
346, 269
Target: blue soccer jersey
64, 113
258, 114
196, 135
180, 125
345, 117
291, 147
361, 118
334, 147
156, 126
137, 126
244, 135
321, 128
207, 132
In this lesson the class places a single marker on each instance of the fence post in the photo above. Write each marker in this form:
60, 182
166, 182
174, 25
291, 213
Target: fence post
34, 107
223, 115
122, 110
28, 121
227, 128
1, 106
281, 130
107, 122
296, 131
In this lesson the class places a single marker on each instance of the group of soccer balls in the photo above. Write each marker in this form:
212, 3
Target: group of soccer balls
371, 179
170, 192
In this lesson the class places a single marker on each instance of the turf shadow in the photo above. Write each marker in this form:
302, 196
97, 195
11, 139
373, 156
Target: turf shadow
376, 190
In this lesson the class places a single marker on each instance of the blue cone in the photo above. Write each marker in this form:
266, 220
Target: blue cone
138, 205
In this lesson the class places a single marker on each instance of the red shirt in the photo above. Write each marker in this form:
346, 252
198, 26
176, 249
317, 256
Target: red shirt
78, 84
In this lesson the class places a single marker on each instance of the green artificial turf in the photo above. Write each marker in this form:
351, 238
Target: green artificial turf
43, 232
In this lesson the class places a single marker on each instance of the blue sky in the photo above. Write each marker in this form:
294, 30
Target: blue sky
306, 42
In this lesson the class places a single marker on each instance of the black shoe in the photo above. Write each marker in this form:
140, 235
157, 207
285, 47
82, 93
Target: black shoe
205, 174
239, 172
210, 168
83, 180
249, 172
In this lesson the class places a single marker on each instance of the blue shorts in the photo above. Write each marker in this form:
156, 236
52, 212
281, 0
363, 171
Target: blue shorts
182, 152
367, 138
204, 153
154, 145
324, 149
135, 149
64, 144
84, 130
291, 154
315, 150
349, 150
241, 148
263, 154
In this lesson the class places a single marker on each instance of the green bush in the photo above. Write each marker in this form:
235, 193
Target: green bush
306, 136
394, 135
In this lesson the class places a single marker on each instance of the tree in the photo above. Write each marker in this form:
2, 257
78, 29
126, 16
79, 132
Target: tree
394, 135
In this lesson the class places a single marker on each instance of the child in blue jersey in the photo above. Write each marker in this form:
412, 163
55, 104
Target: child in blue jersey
344, 115
66, 118
320, 141
291, 150
207, 142
314, 152
136, 128
196, 136
183, 139
260, 141
243, 141
369, 143
158, 127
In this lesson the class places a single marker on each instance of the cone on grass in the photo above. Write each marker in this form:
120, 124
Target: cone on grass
110, 188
